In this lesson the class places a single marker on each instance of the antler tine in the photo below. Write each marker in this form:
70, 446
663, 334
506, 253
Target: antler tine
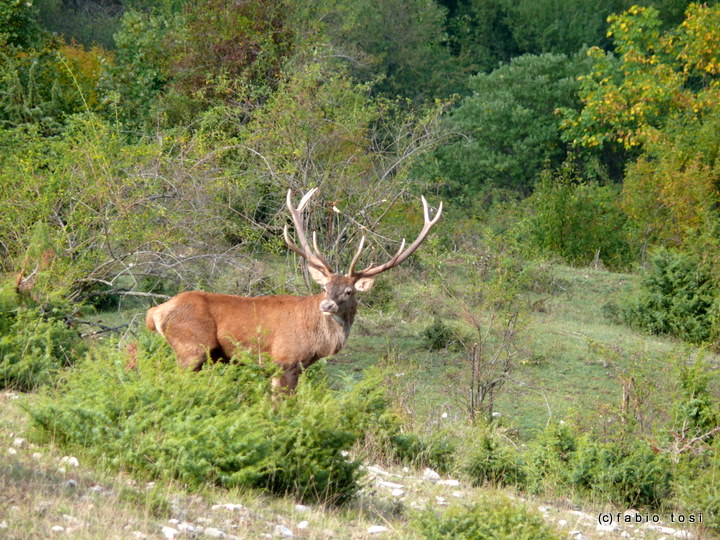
403, 253
312, 257
355, 259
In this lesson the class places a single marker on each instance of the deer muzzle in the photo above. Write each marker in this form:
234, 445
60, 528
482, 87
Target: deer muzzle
328, 307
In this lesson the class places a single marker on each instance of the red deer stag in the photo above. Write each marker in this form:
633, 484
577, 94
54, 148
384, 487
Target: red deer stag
294, 330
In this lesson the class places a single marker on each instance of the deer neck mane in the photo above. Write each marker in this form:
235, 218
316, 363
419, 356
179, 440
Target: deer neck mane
335, 328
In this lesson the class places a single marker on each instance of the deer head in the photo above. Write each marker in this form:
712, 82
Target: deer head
340, 289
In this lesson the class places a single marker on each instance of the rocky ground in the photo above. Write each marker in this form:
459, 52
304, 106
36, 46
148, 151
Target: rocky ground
44, 494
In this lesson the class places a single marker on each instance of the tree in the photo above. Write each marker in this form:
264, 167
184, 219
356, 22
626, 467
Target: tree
396, 44
661, 98
508, 129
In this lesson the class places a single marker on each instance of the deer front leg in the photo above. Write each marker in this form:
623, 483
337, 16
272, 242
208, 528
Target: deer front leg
286, 382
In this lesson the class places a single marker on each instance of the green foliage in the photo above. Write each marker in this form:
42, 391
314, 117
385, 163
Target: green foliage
141, 68
218, 426
398, 44
492, 517
509, 127
579, 221
18, 24
108, 209
368, 414
632, 474
559, 26
491, 460
226, 52
438, 335
676, 297
696, 484
696, 412
623, 472
43, 87
34, 344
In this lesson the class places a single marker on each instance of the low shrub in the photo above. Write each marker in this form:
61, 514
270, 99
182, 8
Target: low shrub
34, 346
632, 474
578, 220
677, 296
438, 336
217, 426
492, 461
629, 473
492, 516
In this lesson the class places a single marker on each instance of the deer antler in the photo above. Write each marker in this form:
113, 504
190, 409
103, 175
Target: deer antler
401, 255
313, 258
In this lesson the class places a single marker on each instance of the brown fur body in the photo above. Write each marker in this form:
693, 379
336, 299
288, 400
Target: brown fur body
295, 331
291, 329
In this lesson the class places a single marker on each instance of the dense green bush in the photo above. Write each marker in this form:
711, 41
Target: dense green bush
492, 461
622, 472
218, 426
492, 517
677, 296
34, 344
631, 474
578, 220
438, 335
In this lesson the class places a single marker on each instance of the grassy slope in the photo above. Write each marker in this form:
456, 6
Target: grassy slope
570, 359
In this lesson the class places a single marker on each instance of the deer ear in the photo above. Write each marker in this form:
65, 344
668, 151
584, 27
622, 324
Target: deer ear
364, 284
318, 275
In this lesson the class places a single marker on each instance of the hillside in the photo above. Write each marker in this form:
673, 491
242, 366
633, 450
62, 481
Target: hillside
569, 370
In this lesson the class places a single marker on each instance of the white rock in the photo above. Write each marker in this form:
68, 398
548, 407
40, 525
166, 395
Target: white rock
187, 528
70, 460
3, 524
390, 485
544, 509
377, 529
283, 531
441, 501
57, 529
448, 482
377, 470
18, 442
169, 532
687, 535
138, 534
577, 535
429, 474
660, 528
444, 415
72, 520
606, 528
11, 451
563, 522
36, 456
302, 508
458, 494
214, 533
302, 525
